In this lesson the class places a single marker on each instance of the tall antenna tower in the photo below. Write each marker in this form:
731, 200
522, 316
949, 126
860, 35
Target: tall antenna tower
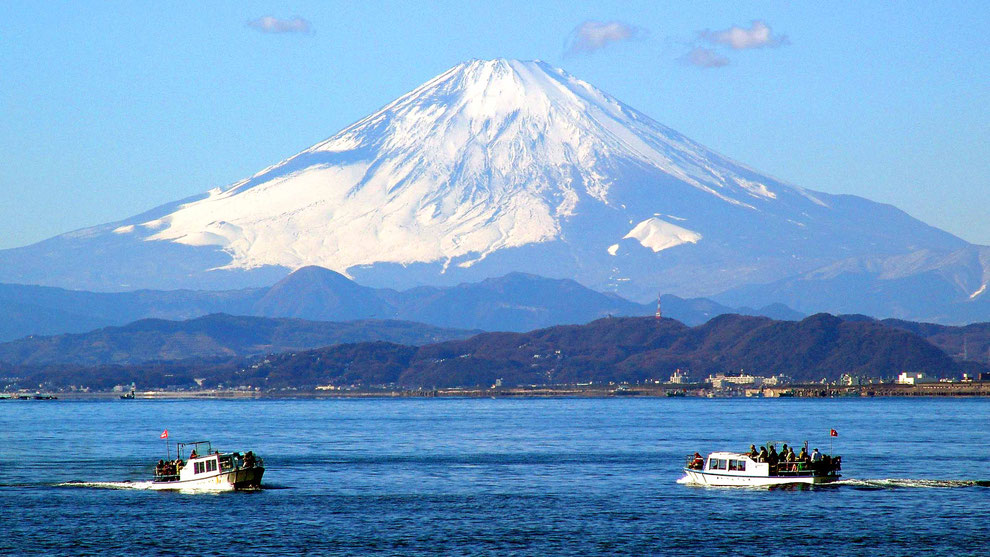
658, 307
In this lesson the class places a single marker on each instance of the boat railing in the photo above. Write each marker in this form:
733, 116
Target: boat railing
258, 463
799, 468
691, 461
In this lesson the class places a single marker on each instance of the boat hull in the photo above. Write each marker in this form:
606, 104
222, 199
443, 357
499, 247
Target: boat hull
703, 477
242, 478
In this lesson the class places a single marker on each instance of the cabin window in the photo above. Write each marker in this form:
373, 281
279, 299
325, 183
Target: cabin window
716, 464
211, 465
739, 465
198, 467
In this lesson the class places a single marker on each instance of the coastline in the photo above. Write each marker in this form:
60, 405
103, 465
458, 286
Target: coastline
972, 389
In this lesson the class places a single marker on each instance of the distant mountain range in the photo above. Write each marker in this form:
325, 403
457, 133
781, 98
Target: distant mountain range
515, 302
611, 349
502, 166
926, 285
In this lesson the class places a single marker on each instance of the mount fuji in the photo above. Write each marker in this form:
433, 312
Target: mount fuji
491, 167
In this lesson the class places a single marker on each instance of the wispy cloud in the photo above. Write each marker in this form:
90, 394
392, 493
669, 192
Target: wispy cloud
269, 24
759, 35
595, 35
705, 58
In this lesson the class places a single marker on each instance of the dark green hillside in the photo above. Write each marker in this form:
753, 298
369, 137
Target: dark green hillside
969, 342
613, 349
210, 337
635, 349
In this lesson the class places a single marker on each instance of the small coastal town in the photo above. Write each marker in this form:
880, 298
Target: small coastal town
720, 385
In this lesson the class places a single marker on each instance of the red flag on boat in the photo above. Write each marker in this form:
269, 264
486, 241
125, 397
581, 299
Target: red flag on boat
833, 433
164, 434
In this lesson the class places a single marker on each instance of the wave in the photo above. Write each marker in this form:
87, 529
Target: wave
902, 483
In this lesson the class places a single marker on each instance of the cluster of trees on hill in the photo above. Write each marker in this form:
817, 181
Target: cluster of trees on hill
612, 349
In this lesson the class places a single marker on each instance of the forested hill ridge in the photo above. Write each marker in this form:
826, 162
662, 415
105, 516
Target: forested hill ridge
210, 337
611, 349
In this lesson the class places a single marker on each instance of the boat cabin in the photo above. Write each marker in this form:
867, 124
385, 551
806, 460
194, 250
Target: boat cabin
735, 464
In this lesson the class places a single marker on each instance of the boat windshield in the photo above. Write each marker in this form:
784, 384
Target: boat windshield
200, 447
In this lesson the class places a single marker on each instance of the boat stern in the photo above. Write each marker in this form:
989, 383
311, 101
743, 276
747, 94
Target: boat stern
247, 478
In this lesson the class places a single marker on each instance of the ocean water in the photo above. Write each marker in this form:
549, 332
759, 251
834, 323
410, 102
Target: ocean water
485, 476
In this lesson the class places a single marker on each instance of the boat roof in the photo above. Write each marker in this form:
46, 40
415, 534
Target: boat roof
195, 444
728, 454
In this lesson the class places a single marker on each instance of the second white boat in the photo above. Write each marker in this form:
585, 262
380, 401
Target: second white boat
739, 469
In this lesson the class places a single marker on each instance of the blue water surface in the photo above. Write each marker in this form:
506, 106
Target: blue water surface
486, 476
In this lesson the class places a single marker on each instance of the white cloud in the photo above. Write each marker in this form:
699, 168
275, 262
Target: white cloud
269, 24
594, 35
705, 58
759, 35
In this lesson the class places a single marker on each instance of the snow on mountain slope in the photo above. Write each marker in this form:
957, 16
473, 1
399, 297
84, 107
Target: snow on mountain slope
489, 155
659, 235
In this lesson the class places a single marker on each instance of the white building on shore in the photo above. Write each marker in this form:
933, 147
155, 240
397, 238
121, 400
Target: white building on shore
723, 381
906, 378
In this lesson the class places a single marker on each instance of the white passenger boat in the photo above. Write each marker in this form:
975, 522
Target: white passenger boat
740, 469
206, 469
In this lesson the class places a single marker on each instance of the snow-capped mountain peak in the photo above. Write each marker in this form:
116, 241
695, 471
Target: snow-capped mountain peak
491, 167
491, 154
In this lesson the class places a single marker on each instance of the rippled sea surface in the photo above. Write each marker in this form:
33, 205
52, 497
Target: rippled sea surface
485, 476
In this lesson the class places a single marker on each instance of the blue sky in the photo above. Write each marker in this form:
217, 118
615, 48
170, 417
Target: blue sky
108, 109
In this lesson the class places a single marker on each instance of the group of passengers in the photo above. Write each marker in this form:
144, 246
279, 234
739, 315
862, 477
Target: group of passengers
168, 468
787, 461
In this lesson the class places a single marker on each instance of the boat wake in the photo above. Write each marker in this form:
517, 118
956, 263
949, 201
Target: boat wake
147, 486
886, 483
107, 485
904, 483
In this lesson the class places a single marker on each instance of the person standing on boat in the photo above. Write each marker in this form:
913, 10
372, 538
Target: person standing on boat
763, 455
791, 460
752, 451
